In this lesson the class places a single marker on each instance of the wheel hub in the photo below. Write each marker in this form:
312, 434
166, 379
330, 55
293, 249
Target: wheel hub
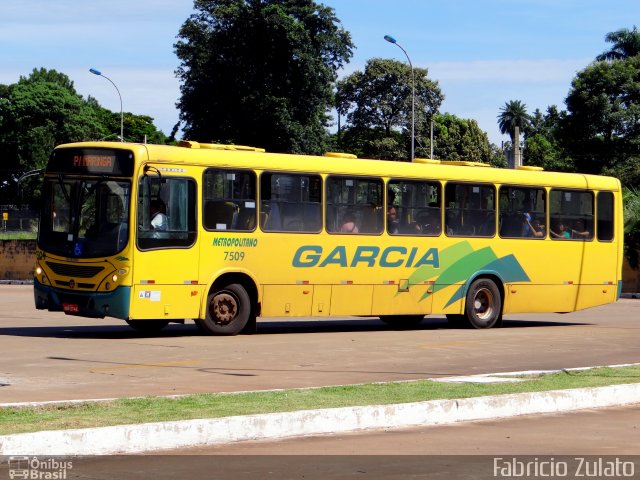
225, 308
483, 303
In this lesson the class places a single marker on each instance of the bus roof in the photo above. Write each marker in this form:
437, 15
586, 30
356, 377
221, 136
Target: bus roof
256, 158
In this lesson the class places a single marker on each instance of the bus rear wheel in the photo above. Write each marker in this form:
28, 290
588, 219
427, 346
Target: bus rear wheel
147, 326
402, 321
228, 311
483, 307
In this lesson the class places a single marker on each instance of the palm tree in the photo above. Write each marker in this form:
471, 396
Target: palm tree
626, 43
513, 114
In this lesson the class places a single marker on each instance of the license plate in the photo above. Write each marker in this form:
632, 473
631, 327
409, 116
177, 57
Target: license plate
70, 307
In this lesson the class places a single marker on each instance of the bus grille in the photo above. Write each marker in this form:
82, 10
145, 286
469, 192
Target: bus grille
78, 271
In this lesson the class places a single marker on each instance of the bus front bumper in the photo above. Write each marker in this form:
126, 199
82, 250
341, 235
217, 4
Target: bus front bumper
84, 304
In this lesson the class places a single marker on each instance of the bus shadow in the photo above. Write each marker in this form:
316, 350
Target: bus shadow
271, 327
107, 332
375, 325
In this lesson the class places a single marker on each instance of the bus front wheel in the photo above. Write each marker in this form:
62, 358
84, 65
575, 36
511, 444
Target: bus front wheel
483, 307
228, 310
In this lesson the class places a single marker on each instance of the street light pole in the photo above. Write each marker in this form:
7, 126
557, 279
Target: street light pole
99, 73
390, 39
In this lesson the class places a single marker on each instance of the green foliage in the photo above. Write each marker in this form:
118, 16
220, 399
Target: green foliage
542, 142
38, 113
631, 200
513, 114
602, 127
626, 43
459, 139
260, 72
372, 143
44, 110
377, 104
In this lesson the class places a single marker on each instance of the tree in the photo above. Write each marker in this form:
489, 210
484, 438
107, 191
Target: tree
602, 127
513, 114
626, 43
460, 139
260, 72
377, 104
36, 114
44, 110
631, 199
542, 141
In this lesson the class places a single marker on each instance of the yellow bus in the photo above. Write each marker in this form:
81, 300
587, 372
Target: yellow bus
225, 234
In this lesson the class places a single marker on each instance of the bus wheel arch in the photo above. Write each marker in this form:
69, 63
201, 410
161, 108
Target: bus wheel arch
231, 306
484, 302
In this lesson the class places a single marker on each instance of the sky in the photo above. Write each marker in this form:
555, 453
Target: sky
483, 53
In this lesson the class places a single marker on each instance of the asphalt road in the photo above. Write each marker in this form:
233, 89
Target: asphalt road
50, 356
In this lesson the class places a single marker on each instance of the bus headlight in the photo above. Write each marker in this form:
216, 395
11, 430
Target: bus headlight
114, 278
38, 271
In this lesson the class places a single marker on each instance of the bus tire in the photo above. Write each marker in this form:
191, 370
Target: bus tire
147, 326
483, 308
228, 310
402, 321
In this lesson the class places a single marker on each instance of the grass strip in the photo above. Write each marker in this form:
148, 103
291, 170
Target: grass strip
156, 409
18, 235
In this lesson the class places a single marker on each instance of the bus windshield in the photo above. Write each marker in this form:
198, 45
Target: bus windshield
84, 218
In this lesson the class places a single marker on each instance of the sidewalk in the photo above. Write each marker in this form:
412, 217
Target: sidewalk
126, 439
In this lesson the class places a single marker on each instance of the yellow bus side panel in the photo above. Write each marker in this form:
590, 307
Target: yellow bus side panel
351, 299
165, 302
441, 299
321, 300
599, 279
287, 300
522, 298
594, 295
388, 300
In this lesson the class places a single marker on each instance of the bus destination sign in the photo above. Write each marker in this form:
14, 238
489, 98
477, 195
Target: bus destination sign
98, 161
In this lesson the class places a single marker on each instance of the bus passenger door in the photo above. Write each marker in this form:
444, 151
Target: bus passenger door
165, 267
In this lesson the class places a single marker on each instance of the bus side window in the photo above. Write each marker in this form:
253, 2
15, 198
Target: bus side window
470, 210
605, 216
219, 215
229, 199
354, 205
522, 209
290, 202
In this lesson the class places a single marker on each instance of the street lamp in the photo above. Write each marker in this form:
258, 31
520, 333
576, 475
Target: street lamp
390, 39
99, 73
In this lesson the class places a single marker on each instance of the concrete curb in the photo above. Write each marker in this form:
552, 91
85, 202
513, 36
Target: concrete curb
180, 434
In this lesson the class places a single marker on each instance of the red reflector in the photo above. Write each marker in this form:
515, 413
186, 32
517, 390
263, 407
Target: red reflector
70, 308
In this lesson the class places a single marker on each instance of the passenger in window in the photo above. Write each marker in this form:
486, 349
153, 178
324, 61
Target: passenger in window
349, 223
430, 224
526, 225
392, 220
560, 231
536, 229
580, 231
158, 218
